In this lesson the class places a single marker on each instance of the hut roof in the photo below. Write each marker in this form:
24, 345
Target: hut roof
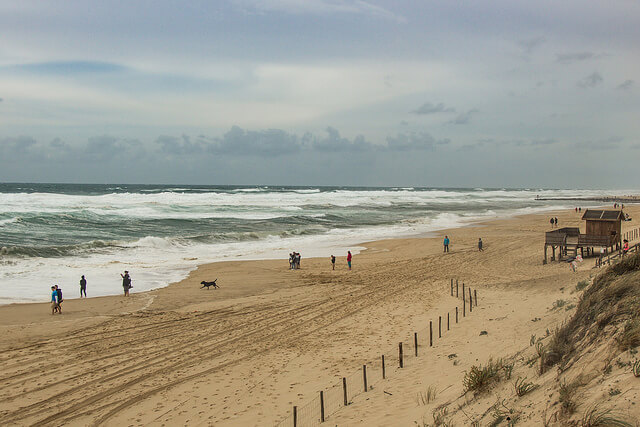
602, 215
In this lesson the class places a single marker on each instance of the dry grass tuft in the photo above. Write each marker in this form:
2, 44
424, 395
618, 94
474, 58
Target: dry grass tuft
595, 416
480, 378
523, 387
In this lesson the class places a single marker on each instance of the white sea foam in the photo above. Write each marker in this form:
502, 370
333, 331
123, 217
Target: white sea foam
156, 261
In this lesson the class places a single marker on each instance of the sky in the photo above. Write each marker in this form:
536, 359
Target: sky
502, 93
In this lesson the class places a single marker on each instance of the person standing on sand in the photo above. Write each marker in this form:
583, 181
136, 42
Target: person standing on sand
349, 259
83, 287
445, 242
551, 222
59, 292
555, 221
126, 283
333, 262
54, 300
480, 244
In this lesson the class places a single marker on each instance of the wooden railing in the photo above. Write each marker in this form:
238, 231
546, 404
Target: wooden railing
606, 259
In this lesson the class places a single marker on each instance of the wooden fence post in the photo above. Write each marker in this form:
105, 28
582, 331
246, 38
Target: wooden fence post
321, 406
384, 376
456, 314
447, 320
439, 326
470, 301
415, 342
464, 306
344, 390
456, 288
430, 333
295, 416
451, 287
364, 377
400, 355
475, 296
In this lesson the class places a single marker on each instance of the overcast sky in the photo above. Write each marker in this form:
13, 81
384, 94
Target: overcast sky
500, 93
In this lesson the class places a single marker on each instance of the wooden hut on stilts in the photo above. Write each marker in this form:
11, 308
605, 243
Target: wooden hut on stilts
603, 231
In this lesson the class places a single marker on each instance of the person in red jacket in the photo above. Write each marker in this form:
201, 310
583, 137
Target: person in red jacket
349, 259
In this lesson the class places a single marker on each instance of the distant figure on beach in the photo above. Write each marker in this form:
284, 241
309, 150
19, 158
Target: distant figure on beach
480, 244
333, 262
625, 248
83, 287
445, 242
59, 292
54, 300
294, 260
580, 209
576, 210
349, 259
551, 222
126, 283
555, 221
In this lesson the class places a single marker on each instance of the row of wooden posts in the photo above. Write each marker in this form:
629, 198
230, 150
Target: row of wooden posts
473, 299
605, 259
631, 234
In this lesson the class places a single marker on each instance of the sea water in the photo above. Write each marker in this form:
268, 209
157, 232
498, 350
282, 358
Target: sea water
54, 233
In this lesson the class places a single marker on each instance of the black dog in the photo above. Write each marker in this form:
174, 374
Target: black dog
209, 284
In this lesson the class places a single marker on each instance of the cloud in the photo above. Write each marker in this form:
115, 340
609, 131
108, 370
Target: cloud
570, 58
333, 142
611, 143
529, 45
323, 7
592, 80
66, 67
542, 142
463, 118
414, 142
626, 85
109, 149
20, 146
429, 108
179, 146
240, 142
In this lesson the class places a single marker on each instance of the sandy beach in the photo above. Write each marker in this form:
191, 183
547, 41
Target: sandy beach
271, 338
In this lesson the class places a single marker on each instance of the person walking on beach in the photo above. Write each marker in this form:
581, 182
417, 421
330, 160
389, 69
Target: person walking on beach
551, 222
349, 259
54, 300
83, 287
446, 244
555, 221
333, 262
480, 244
126, 283
59, 293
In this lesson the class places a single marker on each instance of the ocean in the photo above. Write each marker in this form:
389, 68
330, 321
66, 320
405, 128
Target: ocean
54, 233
